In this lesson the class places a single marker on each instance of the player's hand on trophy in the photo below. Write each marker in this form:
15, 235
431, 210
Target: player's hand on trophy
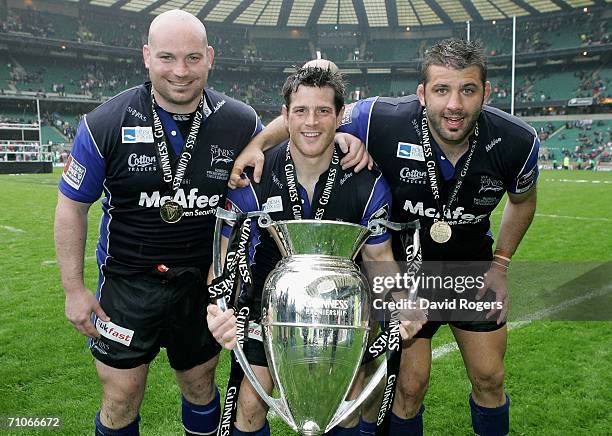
222, 325
496, 280
251, 156
356, 154
79, 306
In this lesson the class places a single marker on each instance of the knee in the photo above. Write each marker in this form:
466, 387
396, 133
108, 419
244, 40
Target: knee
198, 384
488, 381
120, 405
409, 394
252, 411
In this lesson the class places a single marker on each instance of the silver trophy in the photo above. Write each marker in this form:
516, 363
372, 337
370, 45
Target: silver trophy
315, 320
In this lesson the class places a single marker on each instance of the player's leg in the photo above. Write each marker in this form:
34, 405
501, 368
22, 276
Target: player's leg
483, 355
193, 352
123, 390
412, 383
252, 410
128, 343
350, 425
200, 398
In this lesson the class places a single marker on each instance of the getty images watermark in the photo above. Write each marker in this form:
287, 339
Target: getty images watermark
445, 291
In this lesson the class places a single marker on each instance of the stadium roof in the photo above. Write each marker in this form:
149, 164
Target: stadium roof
362, 13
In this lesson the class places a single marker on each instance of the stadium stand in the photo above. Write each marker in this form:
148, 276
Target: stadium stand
58, 53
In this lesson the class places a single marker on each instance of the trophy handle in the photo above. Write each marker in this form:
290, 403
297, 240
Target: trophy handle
276, 404
349, 406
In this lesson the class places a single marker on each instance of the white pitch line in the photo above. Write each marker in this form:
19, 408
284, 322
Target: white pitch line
583, 218
443, 350
578, 181
13, 229
54, 261
570, 217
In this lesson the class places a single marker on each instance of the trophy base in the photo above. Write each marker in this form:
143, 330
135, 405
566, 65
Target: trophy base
311, 428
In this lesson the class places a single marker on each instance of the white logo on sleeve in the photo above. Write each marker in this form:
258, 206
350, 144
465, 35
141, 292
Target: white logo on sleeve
114, 332
273, 204
136, 134
74, 173
525, 182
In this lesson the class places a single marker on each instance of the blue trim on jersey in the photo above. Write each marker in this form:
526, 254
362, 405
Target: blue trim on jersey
357, 118
104, 240
245, 200
258, 127
380, 198
86, 153
177, 141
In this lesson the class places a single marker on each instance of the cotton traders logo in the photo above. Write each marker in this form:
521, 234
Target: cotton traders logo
487, 184
414, 176
142, 163
219, 154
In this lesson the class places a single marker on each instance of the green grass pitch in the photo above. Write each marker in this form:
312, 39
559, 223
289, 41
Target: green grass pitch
559, 373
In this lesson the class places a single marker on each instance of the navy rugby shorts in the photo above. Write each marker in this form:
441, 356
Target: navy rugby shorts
469, 320
152, 310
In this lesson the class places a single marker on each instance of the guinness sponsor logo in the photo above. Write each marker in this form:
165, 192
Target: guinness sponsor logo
226, 419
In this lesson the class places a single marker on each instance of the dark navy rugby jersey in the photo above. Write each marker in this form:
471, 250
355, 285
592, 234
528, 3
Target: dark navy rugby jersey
505, 159
356, 198
114, 152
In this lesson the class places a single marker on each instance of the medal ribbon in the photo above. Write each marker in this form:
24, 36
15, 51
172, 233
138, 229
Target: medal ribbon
235, 270
432, 169
325, 197
174, 181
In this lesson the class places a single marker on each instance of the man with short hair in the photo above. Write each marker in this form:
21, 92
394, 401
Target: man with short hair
314, 100
449, 159
161, 153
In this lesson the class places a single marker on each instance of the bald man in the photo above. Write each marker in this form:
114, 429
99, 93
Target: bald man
161, 154
324, 64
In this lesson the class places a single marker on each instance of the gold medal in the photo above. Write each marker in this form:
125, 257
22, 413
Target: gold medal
171, 212
440, 232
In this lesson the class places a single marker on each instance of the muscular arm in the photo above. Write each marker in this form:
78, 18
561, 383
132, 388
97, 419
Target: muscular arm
516, 219
70, 238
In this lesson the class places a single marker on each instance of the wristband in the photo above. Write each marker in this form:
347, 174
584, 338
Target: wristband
503, 254
504, 267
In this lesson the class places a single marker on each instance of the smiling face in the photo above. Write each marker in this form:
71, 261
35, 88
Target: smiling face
178, 59
312, 120
454, 99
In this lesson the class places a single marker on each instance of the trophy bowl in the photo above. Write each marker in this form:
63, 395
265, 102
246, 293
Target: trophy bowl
315, 317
